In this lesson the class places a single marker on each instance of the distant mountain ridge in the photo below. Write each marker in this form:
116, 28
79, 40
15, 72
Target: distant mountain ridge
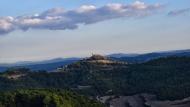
47, 65
24, 63
154, 55
119, 55
52, 64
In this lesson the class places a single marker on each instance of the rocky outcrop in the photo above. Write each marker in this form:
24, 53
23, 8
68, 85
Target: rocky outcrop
142, 100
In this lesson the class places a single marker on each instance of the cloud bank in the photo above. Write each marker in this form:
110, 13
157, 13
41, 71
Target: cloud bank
61, 19
179, 12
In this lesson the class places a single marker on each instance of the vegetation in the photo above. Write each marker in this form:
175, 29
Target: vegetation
168, 78
45, 98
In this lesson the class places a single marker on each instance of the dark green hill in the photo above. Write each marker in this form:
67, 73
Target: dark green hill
168, 78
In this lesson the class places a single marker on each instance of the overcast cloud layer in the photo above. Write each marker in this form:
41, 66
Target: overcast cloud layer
60, 19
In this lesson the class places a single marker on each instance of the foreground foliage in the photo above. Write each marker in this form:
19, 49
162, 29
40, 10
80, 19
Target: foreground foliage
44, 98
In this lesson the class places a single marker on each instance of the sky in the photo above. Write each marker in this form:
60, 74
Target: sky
32, 30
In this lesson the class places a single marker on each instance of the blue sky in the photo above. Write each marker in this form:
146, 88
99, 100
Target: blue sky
150, 25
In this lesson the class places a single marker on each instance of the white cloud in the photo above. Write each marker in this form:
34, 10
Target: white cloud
87, 8
139, 5
60, 19
6, 24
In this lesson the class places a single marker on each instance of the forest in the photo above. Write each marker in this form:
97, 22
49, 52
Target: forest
45, 98
168, 78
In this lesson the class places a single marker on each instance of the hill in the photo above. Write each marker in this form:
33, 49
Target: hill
167, 78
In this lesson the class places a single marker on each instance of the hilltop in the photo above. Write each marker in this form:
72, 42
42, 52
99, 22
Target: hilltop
94, 63
168, 78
